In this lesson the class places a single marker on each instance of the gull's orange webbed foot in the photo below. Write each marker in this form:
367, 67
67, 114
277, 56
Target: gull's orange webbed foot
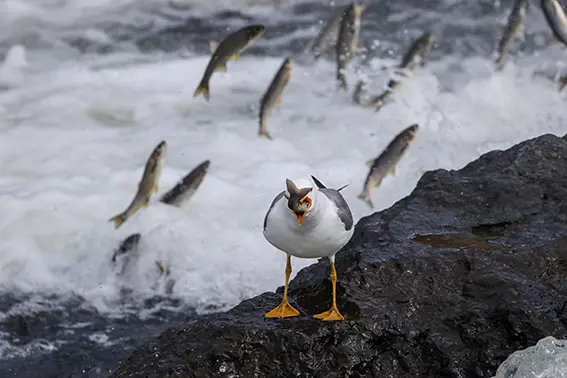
332, 314
283, 310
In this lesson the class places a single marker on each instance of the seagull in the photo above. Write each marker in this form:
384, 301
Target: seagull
308, 222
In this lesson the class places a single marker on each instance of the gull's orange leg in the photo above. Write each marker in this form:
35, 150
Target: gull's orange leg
333, 313
284, 309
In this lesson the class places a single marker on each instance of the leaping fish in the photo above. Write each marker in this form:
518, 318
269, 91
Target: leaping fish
185, 188
273, 96
328, 35
515, 21
231, 47
347, 44
386, 162
147, 186
556, 18
127, 245
415, 56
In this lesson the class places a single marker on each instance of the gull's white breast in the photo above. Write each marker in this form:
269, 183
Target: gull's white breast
322, 233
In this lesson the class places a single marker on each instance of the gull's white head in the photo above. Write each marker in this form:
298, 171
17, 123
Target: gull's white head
300, 198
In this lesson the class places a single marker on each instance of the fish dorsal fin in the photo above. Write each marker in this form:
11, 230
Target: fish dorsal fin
318, 183
213, 45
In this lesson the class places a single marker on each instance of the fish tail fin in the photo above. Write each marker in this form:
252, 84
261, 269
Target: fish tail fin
118, 219
500, 60
265, 134
366, 199
263, 130
204, 89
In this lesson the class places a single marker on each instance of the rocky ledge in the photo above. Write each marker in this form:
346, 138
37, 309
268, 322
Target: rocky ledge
448, 282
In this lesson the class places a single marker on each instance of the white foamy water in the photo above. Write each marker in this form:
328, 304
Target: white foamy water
75, 135
36, 346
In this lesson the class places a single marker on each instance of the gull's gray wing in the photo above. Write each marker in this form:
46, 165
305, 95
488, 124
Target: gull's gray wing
321, 186
318, 183
343, 211
278, 197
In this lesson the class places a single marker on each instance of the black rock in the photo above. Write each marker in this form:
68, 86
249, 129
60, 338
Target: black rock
18, 325
448, 282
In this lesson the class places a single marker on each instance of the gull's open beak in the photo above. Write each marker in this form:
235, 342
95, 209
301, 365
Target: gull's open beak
299, 215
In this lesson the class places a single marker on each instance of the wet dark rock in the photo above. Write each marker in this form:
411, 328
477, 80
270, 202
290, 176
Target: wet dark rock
18, 325
412, 309
22, 326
